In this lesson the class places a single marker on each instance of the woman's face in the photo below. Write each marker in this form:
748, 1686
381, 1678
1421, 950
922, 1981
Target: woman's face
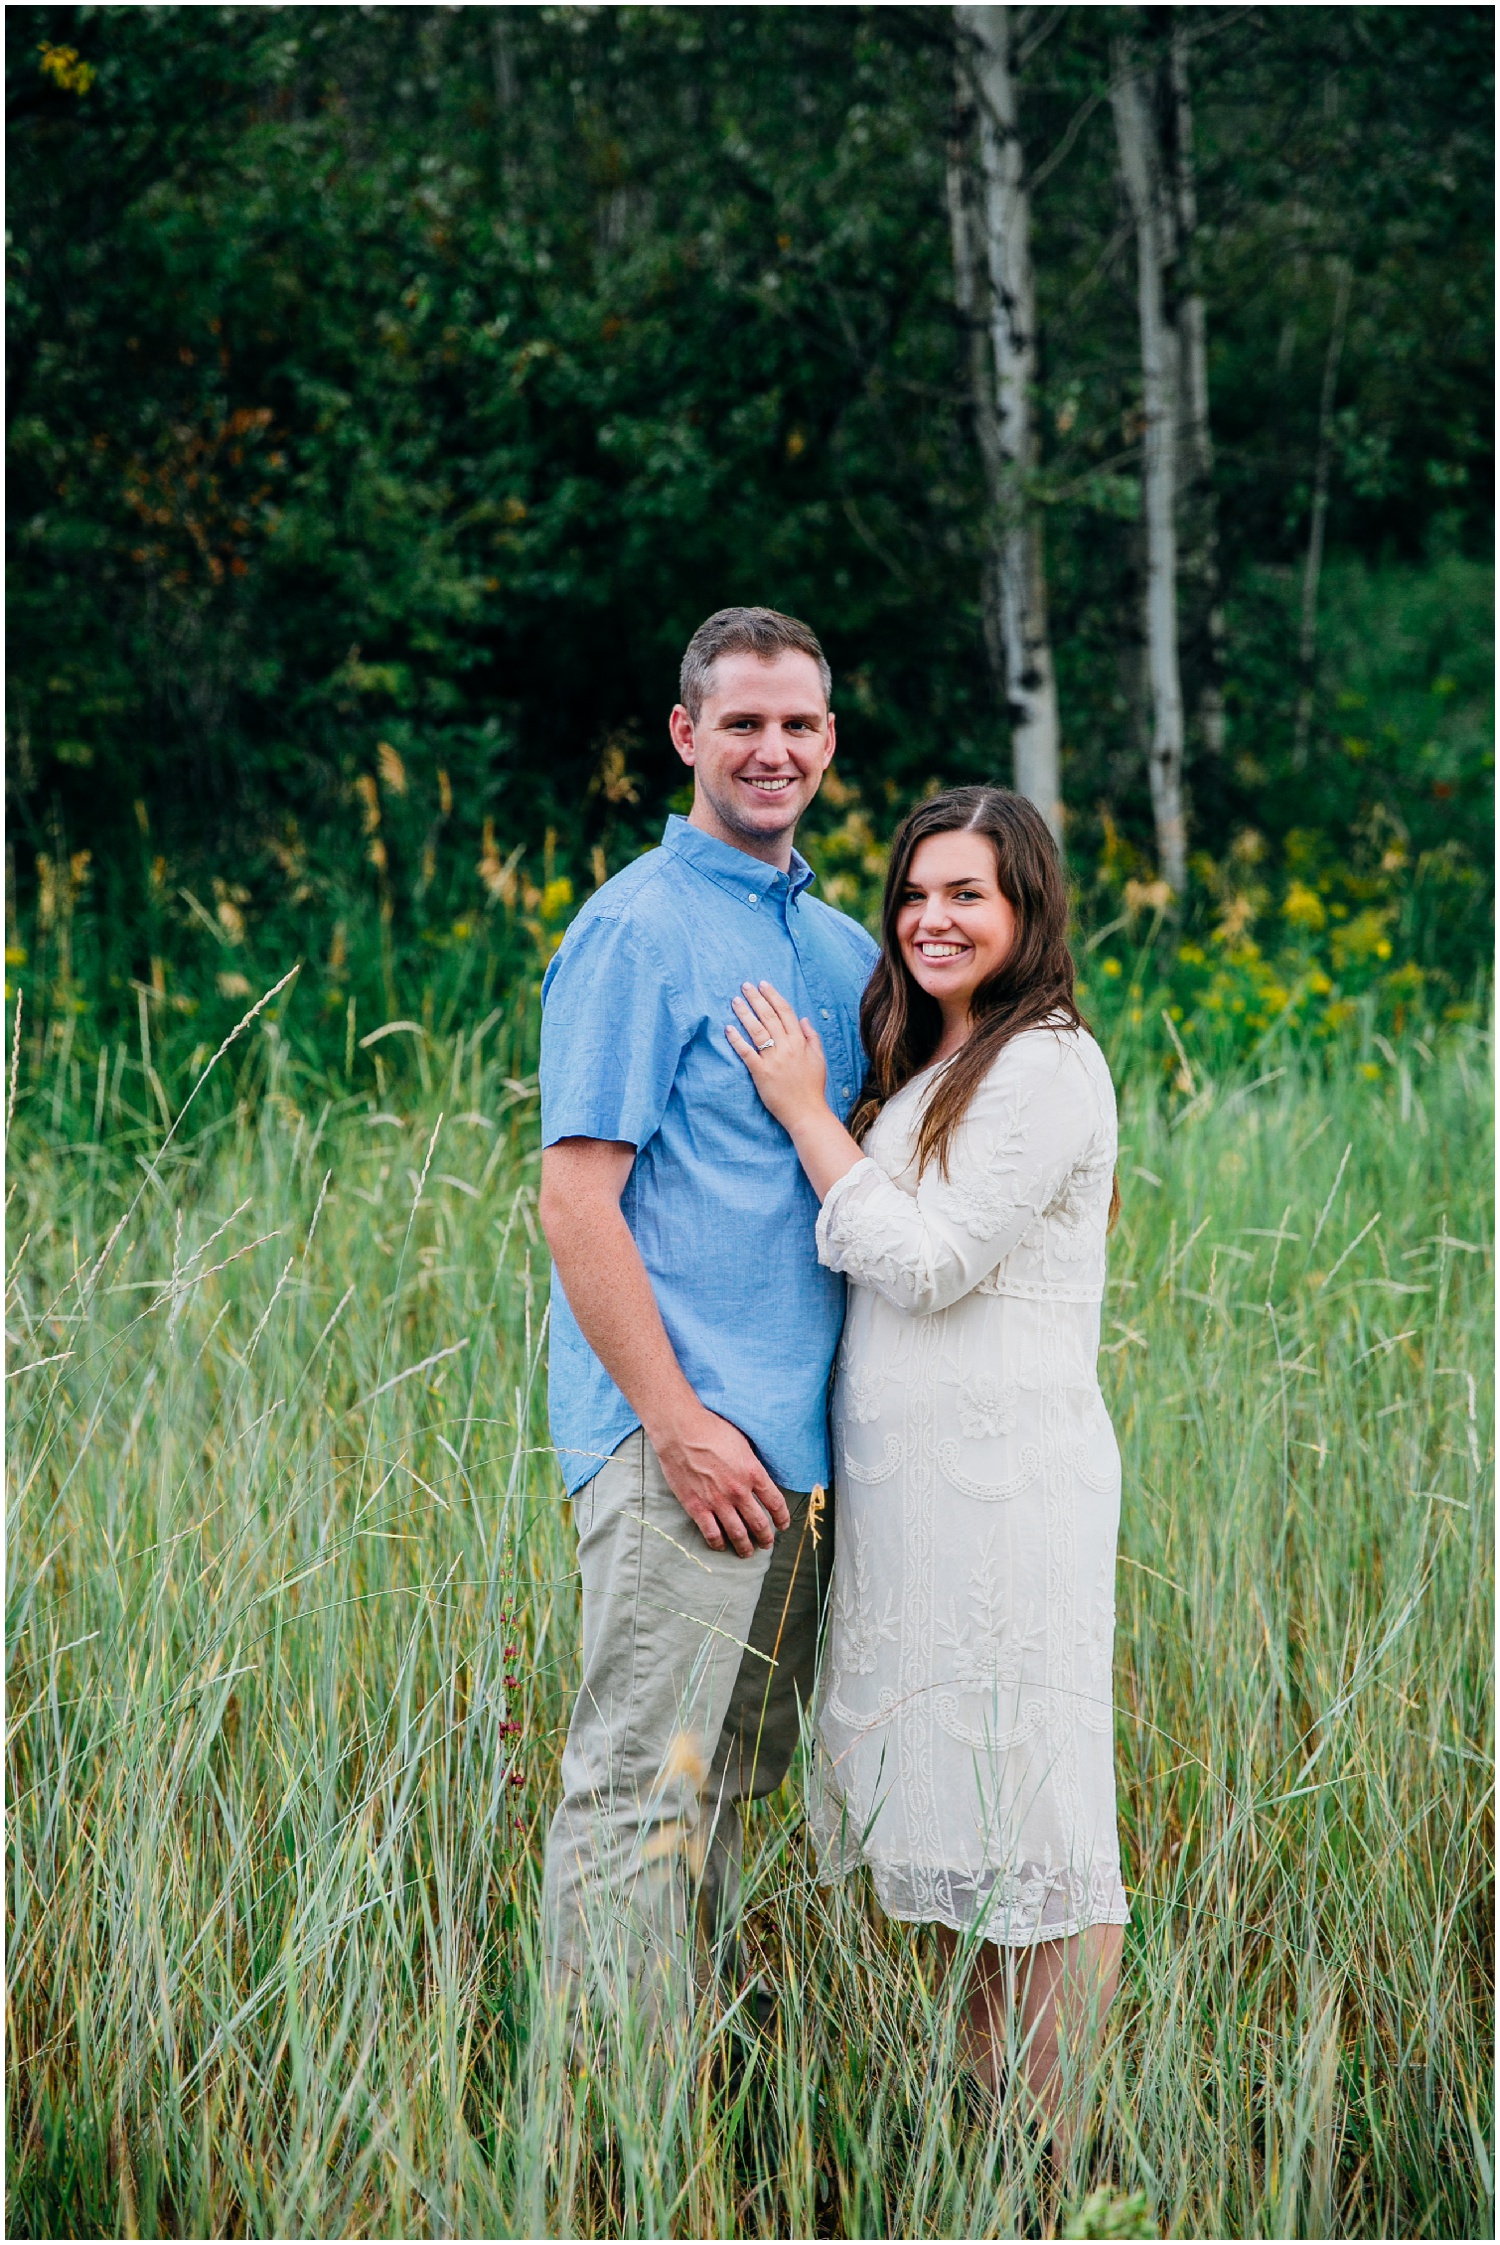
953, 924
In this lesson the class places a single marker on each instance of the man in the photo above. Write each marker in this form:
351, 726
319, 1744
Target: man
693, 1328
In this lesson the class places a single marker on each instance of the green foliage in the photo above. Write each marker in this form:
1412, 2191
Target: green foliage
287, 1558
420, 377
1104, 2213
1403, 720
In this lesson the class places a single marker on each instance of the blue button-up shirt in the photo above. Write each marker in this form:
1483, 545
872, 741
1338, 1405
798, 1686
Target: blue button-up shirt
634, 1050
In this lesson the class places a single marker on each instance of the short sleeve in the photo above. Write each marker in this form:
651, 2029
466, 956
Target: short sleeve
612, 1035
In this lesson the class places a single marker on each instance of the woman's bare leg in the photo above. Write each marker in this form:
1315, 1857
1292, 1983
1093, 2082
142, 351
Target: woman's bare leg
1061, 1991
1067, 1988
986, 2006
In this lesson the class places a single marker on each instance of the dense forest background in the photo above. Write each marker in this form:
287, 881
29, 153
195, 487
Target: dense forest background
392, 390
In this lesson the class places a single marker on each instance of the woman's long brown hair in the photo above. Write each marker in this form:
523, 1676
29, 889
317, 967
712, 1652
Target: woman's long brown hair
901, 1024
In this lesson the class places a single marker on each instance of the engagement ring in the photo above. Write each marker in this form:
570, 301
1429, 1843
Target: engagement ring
768, 1046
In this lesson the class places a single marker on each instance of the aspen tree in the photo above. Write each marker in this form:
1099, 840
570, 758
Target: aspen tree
1149, 188
1307, 646
1202, 616
503, 59
990, 213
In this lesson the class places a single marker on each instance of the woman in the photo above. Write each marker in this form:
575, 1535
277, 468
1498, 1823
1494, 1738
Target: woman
965, 1719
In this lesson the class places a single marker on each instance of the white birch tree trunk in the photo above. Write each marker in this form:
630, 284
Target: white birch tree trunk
992, 238
970, 289
1313, 569
503, 69
969, 295
1204, 635
503, 59
1156, 248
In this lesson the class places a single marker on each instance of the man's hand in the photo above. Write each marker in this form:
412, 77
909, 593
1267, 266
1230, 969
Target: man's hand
710, 1468
719, 1481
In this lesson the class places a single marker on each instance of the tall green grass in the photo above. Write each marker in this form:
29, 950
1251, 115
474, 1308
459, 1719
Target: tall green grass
291, 1633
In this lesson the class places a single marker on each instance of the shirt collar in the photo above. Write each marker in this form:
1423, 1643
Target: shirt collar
731, 869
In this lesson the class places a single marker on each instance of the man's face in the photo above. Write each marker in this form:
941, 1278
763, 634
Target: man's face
758, 749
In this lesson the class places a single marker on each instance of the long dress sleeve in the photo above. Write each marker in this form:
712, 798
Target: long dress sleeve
1026, 1127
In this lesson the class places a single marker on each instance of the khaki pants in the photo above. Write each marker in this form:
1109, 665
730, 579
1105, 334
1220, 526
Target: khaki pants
694, 1665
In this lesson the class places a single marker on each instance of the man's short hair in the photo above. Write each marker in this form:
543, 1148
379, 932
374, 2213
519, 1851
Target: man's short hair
745, 631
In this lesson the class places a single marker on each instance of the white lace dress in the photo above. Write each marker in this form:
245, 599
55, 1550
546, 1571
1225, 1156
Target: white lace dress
966, 1718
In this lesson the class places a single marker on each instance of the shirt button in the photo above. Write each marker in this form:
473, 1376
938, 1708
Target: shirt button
827, 1016
751, 898
844, 1090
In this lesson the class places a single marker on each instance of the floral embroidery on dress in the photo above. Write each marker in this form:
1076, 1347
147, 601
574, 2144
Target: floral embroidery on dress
988, 1655
854, 1235
1027, 1887
1042, 1897
982, 1194
1068, 1218
862, 1390
859, 1631
988, 1405
1096, 1648
990, 1647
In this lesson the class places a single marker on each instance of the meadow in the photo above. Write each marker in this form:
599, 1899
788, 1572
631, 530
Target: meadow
291, 1618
